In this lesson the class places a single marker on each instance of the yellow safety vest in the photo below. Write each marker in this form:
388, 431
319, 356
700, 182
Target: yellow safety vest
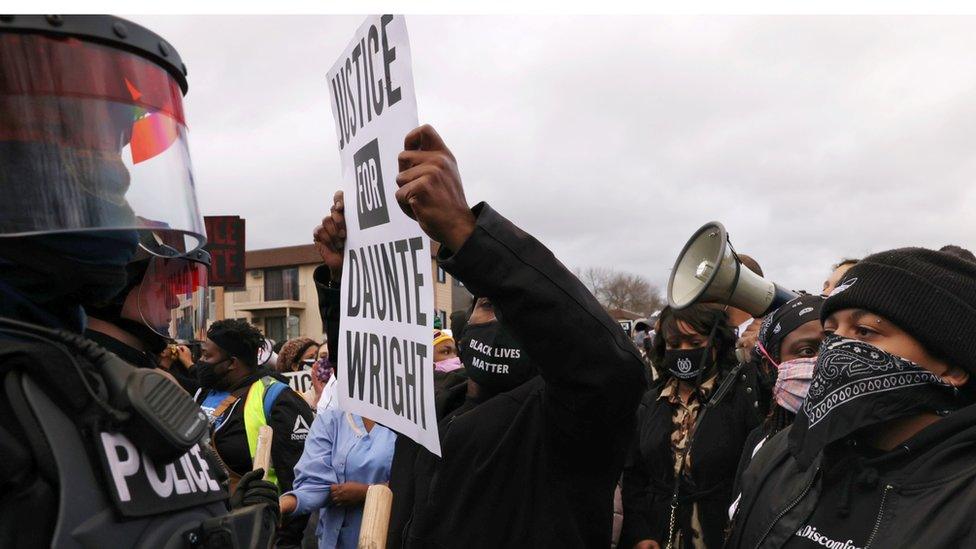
255, 415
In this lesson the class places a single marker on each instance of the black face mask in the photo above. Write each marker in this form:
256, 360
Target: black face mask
856, 385
207, 375
688, 364
493, 359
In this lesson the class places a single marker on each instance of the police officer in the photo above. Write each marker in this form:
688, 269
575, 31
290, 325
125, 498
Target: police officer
138, 323
95, 452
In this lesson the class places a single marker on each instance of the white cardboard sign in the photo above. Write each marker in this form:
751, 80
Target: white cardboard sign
300, 381
387, 298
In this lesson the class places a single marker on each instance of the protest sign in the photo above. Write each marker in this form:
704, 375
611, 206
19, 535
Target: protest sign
300, 381
387, 298
225, 242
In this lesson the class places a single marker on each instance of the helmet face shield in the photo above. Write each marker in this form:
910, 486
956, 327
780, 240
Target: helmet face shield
173, 298
92, 138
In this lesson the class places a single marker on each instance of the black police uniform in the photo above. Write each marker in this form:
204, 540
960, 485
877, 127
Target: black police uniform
93, 451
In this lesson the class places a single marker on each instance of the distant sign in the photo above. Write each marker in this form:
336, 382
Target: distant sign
225, 242
300, 381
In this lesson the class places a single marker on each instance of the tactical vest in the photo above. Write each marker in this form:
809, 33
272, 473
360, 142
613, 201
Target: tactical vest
110, 493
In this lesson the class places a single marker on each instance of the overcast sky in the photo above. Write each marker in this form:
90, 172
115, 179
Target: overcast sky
611, 139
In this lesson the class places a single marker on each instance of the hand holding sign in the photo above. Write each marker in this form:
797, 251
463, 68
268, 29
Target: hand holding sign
430, 188
330, 237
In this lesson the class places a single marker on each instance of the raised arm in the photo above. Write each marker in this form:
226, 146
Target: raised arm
330, 239
591, 367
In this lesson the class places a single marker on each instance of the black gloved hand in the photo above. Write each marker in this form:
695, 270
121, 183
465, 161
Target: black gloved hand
252, 489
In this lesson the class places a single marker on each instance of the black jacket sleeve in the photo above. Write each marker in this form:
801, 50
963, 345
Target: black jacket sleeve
636, 486
750, 446
328, 309
593, 372
289, 435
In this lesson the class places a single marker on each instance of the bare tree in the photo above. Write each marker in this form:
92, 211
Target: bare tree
620, 290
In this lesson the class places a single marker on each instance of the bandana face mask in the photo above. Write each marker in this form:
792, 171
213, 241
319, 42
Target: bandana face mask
688, 364
856, 385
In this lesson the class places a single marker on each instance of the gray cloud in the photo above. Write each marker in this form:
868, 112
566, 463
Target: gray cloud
611, 139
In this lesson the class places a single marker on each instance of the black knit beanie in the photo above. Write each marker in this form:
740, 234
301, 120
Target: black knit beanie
929, 294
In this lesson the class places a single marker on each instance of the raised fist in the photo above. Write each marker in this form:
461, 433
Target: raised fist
330, 237
430, 189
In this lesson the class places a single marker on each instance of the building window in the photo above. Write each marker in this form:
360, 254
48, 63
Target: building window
441, 274
281, 284
281, 328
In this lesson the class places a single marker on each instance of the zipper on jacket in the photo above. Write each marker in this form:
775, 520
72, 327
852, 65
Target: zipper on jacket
877, 523
794, 503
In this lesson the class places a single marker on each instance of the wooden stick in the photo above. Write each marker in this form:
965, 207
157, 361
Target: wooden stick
262, 455
376, 517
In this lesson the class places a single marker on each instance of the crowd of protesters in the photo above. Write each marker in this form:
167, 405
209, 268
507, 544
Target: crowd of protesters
844, 418
841, 419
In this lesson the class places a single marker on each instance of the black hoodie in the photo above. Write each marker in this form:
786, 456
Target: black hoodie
925, 491
535, 466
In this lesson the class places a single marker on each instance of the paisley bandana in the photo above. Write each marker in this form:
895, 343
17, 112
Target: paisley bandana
856, 385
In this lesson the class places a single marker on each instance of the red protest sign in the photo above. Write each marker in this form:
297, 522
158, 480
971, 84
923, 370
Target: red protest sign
225, 242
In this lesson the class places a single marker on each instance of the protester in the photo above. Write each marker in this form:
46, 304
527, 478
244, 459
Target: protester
880, 452
297, 354
322, 376
445, 353
343, 456
838, 272
239, 401
694, 347
641, 335
788, 343
531, 451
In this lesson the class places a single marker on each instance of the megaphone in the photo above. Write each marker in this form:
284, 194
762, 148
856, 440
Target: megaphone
709, 271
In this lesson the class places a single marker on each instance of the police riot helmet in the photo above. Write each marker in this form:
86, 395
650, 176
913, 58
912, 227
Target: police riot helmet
166, 296
173, 298
93, 135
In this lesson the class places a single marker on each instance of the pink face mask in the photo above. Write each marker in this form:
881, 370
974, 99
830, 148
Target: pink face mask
793, 382
447, 365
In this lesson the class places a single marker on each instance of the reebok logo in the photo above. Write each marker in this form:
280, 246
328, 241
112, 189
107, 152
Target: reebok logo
300, 430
